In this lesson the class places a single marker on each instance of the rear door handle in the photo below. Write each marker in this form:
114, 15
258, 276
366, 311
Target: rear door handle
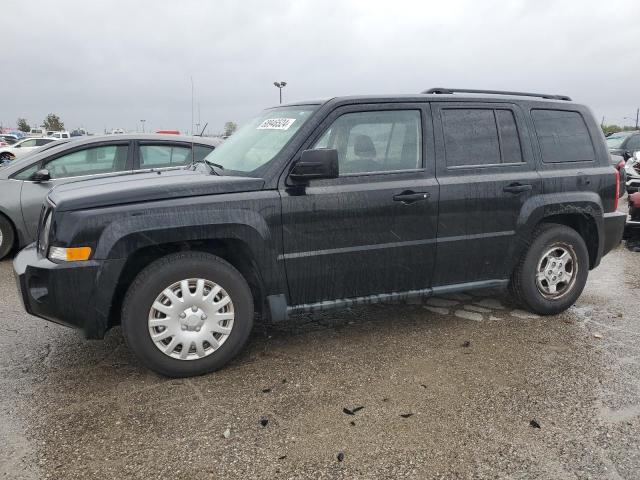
517, 188
409, 196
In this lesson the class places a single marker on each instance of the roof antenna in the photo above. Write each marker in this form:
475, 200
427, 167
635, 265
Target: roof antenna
192, 155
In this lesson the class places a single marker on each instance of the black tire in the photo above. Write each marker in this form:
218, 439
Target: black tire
7, 238
166, 271
524, 286
5, 157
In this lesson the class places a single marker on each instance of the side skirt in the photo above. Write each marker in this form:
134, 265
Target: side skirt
280, 310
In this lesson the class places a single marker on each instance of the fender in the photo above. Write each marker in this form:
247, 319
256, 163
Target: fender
536, 209
117, 232
255, 221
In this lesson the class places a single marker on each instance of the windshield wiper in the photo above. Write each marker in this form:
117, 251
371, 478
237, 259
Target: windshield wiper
215, 168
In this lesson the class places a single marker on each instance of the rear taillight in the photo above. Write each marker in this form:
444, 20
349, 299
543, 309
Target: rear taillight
615, 201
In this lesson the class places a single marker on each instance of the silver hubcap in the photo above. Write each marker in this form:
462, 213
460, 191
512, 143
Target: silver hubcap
557, 271
191, 319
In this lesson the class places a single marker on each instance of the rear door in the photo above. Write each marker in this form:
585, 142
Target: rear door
372, 230
486, 172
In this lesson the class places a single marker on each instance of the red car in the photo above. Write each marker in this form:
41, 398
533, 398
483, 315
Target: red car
632, 228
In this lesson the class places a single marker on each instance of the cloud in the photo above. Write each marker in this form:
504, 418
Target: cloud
107, 64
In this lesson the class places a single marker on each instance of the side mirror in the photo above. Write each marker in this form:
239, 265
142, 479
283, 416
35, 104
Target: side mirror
41, 176
315, 165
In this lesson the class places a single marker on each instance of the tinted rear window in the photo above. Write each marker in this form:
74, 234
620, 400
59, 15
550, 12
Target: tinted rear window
563, 136
509, 138
470, 137
477, 137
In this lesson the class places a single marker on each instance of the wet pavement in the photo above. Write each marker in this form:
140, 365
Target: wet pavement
457, 387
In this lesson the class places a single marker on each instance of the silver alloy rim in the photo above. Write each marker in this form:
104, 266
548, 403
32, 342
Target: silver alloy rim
191, 319
1, 237
557, 271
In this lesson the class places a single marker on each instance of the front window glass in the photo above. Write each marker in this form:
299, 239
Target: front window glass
633, 144
91, 161
261, 139
26, 174
375, 141
28, 143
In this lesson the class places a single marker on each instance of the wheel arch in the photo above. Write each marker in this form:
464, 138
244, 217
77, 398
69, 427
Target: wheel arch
585, 225
16, 234
233, 250
581, 211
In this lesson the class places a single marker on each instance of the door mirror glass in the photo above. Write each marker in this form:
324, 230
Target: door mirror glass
315, 164
41, 176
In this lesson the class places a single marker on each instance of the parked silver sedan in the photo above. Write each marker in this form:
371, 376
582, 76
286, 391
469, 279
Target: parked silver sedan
25, 182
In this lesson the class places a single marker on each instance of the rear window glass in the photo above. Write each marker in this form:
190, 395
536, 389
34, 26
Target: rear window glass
563, 136
471, 137
476, 137
509, 138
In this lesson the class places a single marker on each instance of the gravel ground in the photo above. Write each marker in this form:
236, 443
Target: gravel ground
457, 387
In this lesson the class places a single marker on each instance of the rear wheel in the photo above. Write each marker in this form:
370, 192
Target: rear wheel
187, 314
5, 157
553, 272
7, 236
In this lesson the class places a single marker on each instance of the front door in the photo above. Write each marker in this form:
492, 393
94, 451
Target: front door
373, 229
486, 172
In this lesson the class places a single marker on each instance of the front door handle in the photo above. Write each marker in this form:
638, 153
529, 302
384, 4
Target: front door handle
517, 188
409, 196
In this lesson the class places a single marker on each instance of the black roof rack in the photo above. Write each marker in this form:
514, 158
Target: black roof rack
496, 92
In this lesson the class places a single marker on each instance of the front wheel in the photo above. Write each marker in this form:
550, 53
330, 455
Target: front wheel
187, 314
7, 237
553, 272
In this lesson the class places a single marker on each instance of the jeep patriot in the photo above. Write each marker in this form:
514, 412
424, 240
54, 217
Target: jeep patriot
327, 204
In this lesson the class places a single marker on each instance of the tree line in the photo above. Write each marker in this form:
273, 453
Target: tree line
51, 122
609, 129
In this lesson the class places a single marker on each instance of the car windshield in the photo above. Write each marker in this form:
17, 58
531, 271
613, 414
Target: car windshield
261, 139
614, 141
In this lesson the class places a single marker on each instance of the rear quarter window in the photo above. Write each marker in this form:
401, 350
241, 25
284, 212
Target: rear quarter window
563, 136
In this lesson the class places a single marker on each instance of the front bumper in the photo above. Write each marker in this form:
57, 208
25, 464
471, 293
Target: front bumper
64, 293
613, 224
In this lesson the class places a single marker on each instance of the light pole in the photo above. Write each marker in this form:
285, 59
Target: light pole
142, 122
280, 86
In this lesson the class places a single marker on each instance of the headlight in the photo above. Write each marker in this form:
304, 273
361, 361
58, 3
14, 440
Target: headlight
73, 254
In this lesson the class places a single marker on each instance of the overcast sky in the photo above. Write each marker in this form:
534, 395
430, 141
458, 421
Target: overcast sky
108, 64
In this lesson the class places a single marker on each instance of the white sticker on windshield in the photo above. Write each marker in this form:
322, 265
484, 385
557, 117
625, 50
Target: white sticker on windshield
276, 124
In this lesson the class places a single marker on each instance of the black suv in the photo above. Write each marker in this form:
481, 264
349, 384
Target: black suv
319, 205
